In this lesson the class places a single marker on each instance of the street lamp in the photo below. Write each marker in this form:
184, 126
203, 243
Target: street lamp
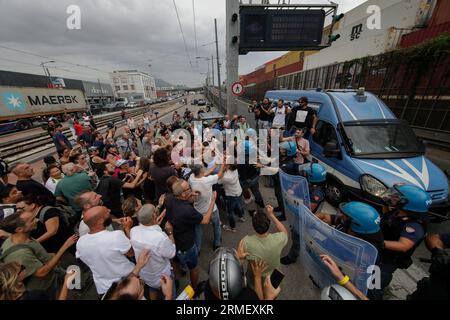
208, 59
47, 72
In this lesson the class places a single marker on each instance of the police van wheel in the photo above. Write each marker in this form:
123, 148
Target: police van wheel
335, 193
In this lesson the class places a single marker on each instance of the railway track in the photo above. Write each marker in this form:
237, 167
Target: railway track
38, 144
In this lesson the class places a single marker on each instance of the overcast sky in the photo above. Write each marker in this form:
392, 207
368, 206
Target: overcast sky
118, 35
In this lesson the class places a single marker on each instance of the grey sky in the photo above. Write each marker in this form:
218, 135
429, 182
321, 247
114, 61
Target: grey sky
119, 34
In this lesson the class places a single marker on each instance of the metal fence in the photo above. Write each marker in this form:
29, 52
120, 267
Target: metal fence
417, 92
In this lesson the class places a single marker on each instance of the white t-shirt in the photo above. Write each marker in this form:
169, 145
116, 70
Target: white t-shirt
84, 229
131, 123
51, 184
104, 253
280, 116
204, 187
231, 183
86, 121
162, 249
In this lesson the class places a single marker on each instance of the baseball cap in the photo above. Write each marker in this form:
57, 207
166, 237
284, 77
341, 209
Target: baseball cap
121, 162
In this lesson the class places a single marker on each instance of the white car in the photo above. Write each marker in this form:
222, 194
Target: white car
132, 105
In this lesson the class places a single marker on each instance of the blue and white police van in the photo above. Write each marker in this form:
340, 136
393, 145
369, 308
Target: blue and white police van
365, 148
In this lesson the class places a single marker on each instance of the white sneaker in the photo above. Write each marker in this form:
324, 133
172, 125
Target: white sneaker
228, 228
248, 201
242, 219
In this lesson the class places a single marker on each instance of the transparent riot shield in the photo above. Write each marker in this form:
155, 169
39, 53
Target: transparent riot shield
353, 255
295, 193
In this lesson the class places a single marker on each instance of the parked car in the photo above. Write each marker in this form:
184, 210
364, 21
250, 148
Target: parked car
194, 102
131, 105
115, 106
95, 108
201, 102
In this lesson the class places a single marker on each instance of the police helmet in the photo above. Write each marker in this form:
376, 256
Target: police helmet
336, 292
249, 147
290, 148
226, 275
364, 218
418, 200
408, 198
316, 173
251, 132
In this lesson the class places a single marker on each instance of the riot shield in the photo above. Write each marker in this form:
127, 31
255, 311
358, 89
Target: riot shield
295, 193
353, 255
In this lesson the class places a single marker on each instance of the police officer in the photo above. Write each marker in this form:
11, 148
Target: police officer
363, 221
437, 285
288, 151
404, 226
317, 176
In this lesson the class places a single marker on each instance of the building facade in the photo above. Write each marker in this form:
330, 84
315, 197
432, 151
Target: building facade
134, 85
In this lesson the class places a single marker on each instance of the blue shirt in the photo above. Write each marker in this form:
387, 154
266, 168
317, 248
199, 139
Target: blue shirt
61, 137
413, 231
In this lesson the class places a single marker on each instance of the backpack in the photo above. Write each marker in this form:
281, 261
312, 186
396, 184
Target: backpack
68, 215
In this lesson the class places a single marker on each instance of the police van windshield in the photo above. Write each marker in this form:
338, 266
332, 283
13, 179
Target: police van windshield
381, 140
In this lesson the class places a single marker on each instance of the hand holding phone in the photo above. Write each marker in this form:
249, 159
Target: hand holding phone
276, 278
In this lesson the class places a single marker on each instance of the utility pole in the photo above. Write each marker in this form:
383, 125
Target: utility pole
101, 92
212, 70
218, 67
232, 45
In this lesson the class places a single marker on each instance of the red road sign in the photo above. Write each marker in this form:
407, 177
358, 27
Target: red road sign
237, 88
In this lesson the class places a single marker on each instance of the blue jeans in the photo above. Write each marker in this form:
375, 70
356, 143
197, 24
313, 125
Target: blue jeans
189, 257
174, 288
234, 205
253, 185
215, 219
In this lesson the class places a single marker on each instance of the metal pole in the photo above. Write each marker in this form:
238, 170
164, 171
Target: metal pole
101, 91
45, 73
49, 77
218, 68
232, 47
212, 71
207, 77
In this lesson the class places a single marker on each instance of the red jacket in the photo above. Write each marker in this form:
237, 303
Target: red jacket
78, 129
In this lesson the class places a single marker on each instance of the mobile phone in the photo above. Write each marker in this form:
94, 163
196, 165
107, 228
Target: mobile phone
276, 278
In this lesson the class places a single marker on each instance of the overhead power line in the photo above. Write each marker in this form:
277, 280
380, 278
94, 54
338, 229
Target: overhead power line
50, 58
182, 34
195, 29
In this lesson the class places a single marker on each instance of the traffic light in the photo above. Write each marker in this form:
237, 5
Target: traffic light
334, 37
338, 17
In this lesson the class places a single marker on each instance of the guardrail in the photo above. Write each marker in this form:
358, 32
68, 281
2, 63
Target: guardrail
42, 145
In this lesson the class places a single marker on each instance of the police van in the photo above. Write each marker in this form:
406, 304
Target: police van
365, 148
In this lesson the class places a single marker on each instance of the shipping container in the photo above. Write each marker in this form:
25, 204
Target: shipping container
20, 107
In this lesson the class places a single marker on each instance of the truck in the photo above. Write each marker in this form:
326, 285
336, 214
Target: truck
366, 149
22, 108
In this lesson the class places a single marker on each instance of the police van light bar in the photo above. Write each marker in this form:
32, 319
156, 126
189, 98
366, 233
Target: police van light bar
361, 95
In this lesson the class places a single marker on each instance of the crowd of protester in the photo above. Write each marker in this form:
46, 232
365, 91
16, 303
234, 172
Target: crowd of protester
130, 209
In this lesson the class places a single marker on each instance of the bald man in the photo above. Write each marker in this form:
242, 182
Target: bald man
103, 251
184, 217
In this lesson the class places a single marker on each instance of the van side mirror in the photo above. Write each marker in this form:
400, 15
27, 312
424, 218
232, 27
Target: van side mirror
331, 150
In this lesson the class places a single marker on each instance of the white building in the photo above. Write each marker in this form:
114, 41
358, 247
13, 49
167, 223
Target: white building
133, 84
359, 39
